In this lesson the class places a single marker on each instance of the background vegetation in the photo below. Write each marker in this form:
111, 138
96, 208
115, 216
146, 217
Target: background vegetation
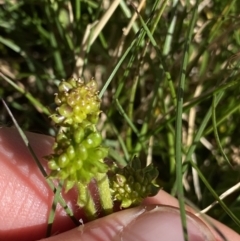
144, 64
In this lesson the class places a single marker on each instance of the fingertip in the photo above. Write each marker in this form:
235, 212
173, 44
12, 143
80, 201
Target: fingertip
165, 222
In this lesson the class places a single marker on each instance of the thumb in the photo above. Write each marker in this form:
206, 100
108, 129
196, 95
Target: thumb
146, 223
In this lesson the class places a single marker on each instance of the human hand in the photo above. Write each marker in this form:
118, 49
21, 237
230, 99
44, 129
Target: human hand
26, 202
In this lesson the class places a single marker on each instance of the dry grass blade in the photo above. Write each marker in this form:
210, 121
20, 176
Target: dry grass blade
222, 196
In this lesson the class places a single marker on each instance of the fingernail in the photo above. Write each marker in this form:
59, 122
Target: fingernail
164, 223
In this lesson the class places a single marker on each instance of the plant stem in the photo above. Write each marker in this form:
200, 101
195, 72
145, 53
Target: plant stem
104, 193
85, 201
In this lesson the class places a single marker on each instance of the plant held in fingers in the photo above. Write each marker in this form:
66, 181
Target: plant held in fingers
78, 153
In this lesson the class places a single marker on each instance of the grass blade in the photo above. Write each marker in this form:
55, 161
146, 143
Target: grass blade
178, 128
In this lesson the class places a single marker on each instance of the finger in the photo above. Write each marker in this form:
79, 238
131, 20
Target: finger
145, 223
166, 199
26, 198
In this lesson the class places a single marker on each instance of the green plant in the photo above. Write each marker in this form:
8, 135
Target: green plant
78, 156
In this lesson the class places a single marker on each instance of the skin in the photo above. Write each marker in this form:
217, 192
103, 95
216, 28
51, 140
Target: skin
26, 202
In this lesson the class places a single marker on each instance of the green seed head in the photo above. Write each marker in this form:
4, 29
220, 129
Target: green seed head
83, 153
78, 154
130, 186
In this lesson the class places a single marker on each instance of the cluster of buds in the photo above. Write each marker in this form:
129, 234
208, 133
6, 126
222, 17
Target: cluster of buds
77, 152
133, 183
78, 103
